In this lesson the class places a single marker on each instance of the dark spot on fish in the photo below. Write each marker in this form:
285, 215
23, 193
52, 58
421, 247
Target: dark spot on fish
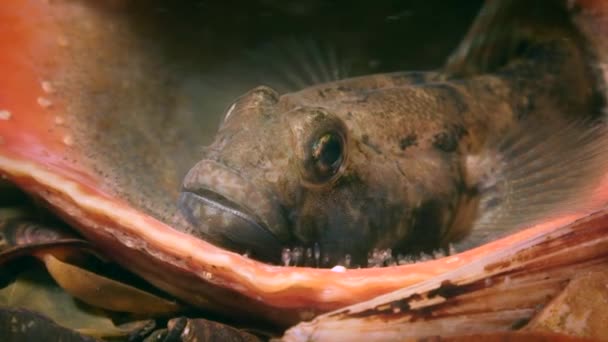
447, 141
492, 203
348, 179
524, 108
490, 88
407, 141
460, 131
598, 101
522, 46
410, 77
366, 142
451, 95
350, 115
321, 93
426, 220
330, 90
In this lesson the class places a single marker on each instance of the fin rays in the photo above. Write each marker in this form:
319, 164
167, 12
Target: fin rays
295, 64
542, 170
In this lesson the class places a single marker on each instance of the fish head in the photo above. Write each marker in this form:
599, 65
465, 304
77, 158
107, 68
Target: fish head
327, 180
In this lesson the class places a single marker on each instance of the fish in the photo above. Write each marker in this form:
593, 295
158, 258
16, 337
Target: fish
509, 131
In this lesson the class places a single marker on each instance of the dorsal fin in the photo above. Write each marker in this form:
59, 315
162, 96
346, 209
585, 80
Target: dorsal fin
293, 64
502, 30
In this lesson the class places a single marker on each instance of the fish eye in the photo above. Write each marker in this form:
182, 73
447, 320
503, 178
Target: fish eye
320, 144
326, 156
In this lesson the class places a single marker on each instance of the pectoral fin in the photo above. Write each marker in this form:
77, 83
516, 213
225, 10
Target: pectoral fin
538, 171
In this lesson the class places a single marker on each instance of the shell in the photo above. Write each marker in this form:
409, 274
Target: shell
495, 293
49, 65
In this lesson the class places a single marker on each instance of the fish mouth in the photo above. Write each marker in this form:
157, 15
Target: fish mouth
225, 209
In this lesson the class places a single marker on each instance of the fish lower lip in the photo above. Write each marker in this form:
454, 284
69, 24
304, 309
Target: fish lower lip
227, 224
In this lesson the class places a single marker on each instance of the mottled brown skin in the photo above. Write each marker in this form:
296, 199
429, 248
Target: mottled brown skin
403, 182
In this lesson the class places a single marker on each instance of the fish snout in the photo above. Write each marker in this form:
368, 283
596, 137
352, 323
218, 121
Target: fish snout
224, 208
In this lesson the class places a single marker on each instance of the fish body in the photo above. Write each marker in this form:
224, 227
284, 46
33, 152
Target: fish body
511, 129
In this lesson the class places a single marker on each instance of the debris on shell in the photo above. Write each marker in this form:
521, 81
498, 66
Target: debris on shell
47, 87
44, 102
68, 140
5, 114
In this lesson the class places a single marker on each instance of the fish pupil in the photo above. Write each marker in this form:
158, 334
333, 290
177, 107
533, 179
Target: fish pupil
328, 152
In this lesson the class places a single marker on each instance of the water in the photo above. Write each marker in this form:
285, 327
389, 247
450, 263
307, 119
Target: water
167, 77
